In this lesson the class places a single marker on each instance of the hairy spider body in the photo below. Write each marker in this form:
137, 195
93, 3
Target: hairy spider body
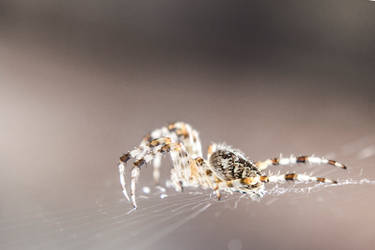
225, 169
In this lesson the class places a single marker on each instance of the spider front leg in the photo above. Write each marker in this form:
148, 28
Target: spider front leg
142, 155
262, 165
187, 136
178, 132
121, 168
145, 155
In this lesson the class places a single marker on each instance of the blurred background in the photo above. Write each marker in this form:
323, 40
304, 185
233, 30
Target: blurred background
81, 82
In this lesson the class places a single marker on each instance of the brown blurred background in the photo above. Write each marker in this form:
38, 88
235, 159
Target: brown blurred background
82, 81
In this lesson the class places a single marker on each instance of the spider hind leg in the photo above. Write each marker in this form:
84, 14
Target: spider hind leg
281, 161
295, 177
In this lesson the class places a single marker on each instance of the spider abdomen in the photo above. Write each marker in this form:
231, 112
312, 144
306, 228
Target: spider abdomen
229, 166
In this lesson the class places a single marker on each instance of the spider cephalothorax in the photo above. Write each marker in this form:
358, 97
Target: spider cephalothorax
226, 169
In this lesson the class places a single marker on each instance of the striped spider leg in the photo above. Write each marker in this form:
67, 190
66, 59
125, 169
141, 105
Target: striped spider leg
184, 170
262, 165
178, 132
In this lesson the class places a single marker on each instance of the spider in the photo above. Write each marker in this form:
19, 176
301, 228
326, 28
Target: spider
225, 169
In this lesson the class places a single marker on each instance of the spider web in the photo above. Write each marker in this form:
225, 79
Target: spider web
163, 216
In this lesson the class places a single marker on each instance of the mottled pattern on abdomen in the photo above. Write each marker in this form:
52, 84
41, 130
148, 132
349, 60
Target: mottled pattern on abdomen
229, 166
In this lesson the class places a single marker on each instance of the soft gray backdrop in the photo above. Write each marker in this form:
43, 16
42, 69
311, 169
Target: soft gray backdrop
82, 81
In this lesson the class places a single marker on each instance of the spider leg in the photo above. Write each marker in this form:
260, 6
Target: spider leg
121, 168
187, 136
249, 185
176, 180
217, 192
155, 134
210, 150
178, 132
294, 177
241, 183
261, 165
134, 179
146, 144
180, 159
156, 168
190, 142
142, 155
